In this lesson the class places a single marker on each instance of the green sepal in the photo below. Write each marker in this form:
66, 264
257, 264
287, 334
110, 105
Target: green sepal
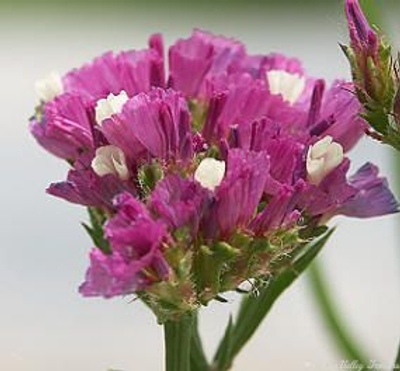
148, 176
95, 229
254, 308
169, 300
210, 264
199, 114
223, 251
181, 260
172, 298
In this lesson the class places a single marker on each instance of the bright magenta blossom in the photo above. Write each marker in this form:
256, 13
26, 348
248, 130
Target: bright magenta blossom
203, 177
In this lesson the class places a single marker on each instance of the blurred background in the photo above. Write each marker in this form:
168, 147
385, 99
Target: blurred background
44, 323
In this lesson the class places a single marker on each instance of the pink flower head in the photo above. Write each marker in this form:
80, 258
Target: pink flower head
191, 176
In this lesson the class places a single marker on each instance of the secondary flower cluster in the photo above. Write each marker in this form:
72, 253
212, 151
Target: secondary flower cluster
199, 179
375, 74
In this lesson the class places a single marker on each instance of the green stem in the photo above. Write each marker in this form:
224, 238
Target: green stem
396, 365
333, 321
178, 340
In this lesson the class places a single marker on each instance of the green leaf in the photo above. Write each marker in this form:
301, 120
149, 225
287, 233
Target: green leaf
310, 252
198, 360
339, 332
95, 230
223, 355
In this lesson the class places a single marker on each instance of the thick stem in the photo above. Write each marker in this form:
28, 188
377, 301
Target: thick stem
333, 321
178, 339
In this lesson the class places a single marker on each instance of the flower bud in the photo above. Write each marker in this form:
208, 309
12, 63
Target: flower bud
363, 37
370, 58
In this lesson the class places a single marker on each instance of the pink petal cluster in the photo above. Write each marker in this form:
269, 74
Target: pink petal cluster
261, 115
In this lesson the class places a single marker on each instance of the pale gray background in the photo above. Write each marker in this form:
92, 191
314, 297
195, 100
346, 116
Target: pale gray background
46, 325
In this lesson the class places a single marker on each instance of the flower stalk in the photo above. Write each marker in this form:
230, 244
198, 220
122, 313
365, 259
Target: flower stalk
178, 341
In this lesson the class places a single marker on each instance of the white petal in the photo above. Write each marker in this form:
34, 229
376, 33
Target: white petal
48, 88
109, 106
101, 168
289, 86
334, 156
110, 160
210, 173
315, 166
119, 162
322, 158
117, 102
103, 110
319, 148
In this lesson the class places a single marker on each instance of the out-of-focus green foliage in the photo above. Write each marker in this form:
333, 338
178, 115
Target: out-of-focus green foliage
182, 4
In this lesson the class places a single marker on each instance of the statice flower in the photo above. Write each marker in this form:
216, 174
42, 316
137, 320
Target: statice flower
375, 74
201, 178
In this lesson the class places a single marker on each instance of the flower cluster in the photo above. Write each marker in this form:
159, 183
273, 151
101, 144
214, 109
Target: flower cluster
376, 76
200, 178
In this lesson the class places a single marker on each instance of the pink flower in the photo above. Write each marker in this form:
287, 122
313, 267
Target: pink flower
66, 127
136, 260
224, 151
152, 125
131, 71
202, 56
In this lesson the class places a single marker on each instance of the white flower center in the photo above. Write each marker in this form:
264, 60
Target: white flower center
110, 160
109, 106
290, 86
49, 87
322, 158
210, 173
